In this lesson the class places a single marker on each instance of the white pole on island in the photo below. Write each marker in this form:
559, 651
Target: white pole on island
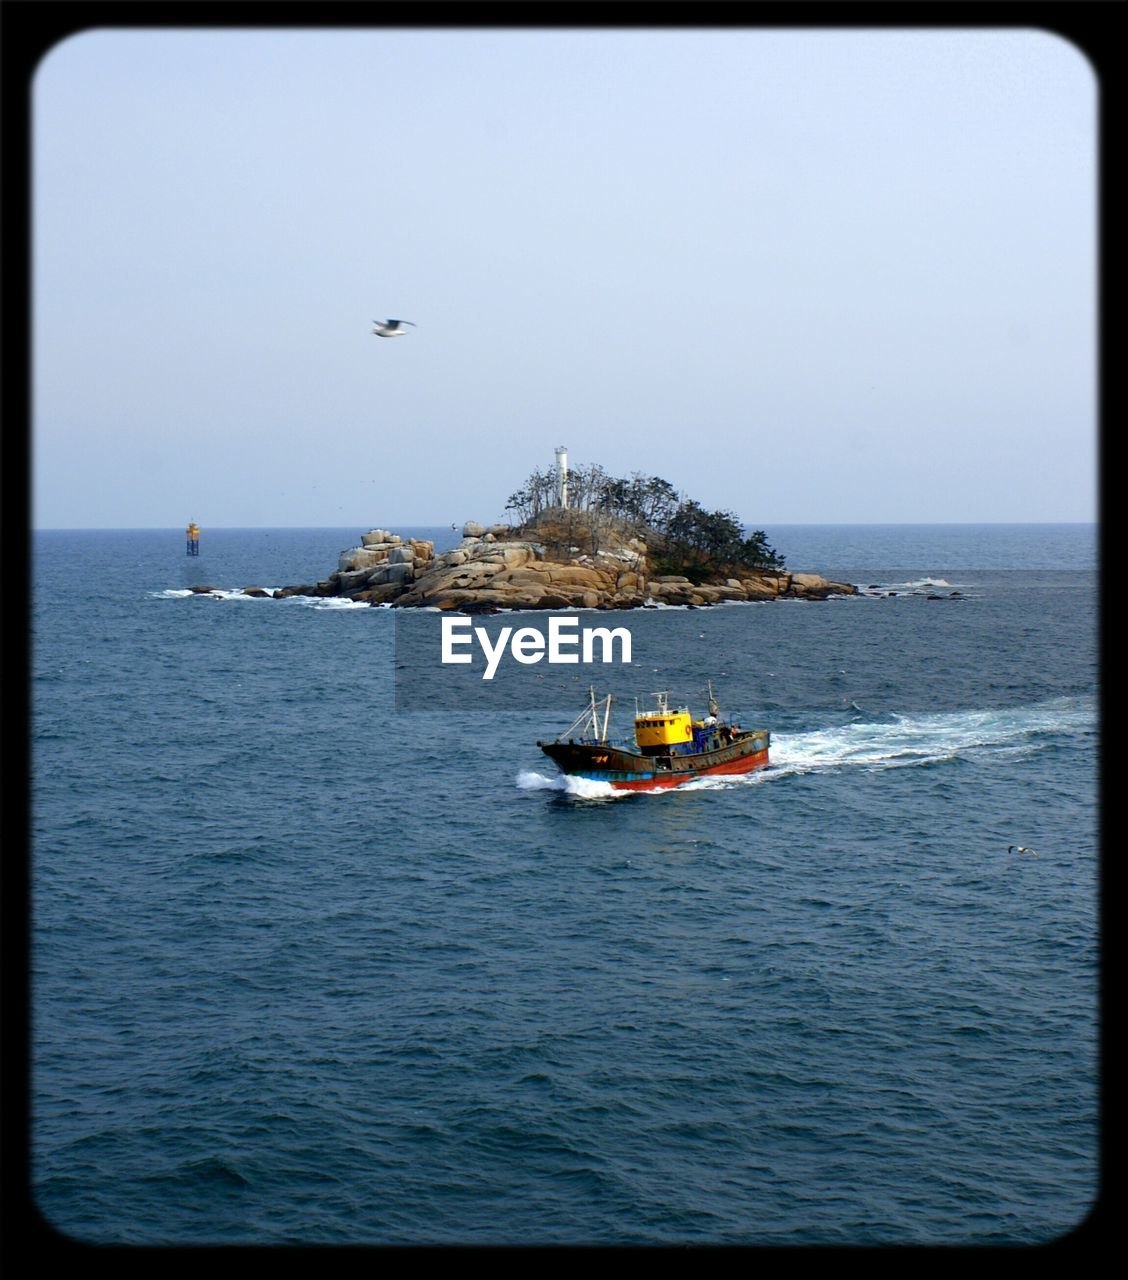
562, 476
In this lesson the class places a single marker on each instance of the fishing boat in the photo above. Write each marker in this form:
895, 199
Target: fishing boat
670, 746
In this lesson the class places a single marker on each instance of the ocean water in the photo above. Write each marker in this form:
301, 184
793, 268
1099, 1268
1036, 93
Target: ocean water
308, 970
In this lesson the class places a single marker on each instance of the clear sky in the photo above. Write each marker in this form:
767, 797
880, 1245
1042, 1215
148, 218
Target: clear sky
824, 276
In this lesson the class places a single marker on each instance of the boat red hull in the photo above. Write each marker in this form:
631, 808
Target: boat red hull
746, 765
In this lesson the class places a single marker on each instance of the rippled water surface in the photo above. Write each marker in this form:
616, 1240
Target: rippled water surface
308, 970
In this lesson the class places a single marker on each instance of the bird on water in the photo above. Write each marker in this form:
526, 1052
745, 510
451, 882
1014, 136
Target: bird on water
391, 328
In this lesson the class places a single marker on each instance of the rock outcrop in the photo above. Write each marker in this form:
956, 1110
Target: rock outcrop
502, 568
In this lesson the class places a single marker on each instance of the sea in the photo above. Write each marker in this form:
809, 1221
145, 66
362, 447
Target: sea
312, 965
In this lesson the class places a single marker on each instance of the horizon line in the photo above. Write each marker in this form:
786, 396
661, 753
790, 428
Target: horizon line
790, 524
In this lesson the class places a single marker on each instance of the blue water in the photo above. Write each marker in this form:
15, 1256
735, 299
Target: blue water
306, 970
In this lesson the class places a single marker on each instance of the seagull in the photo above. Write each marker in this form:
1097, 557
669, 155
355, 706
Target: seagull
1021, 848
391, 328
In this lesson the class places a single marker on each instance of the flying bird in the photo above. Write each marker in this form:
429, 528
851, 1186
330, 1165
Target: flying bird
1021, 848
391, 328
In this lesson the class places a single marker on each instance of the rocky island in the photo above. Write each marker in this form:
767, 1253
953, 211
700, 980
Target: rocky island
501, 567
581, 540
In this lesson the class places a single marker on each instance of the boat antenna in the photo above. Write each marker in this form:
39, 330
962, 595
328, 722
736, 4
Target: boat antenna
714, 710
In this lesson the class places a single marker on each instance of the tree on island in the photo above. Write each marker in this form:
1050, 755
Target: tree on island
703, 542
682, 538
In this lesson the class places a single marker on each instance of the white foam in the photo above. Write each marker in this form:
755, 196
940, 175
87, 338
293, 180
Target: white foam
332, 602
216, 593
581, 788
236, 594
529, 780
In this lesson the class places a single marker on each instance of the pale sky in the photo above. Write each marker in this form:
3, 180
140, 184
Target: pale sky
808, 276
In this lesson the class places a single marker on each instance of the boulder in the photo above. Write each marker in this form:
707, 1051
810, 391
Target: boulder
355, 580
812, 586
514, 555
463, 575
362, 557
760, 588
314, 589
471, 529
439, 582
492, 596
712, 594
397, 573
379, 594
527, 597
524, 577
449, 599
579, 576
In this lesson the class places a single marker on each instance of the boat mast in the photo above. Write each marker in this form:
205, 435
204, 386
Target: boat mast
588, 718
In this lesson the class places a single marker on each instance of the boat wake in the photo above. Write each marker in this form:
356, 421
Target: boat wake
903, 742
